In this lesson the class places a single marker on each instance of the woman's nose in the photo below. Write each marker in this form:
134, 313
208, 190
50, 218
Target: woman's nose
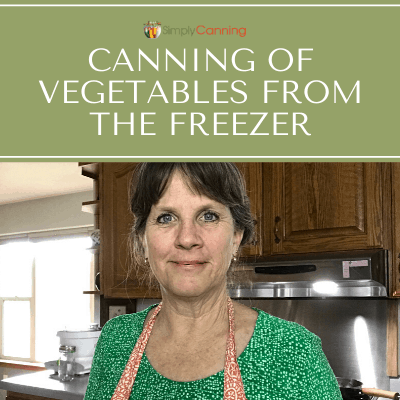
188, 235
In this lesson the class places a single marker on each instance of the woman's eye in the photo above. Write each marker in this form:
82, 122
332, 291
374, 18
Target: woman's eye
210, 216
165, 219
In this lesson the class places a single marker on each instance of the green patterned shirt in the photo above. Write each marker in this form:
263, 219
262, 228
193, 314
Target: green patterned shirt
282, 361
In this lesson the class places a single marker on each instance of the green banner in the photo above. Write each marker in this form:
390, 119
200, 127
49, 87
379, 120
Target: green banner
108, 82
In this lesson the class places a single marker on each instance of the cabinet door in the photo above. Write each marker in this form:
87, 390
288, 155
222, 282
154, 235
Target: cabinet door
116, 260
252, 173
317, 207
395, 271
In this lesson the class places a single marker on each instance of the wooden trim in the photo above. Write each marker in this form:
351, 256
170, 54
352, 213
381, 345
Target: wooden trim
32, 305
392, 343
278, 207
22, 365
91, 207
1, 324
387, 206
89, 169
23, 396
373, 212
267, 211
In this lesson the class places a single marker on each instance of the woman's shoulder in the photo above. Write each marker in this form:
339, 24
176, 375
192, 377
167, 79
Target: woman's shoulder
283, 333
287, 359
130, 325
280, 345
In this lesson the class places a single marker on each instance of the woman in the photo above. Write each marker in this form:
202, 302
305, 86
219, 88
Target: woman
190, 221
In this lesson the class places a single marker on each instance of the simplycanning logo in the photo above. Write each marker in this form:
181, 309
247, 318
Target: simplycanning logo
152, 30
203, 30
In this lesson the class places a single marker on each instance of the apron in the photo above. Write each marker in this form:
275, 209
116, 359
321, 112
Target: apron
233, 384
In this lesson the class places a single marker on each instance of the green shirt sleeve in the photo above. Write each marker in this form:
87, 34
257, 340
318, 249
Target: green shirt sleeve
321, 383
97, 370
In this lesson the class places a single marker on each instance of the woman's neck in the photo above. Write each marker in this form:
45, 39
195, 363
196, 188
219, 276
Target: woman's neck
194, 317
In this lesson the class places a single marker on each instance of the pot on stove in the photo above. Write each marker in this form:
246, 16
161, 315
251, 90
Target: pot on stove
351, 389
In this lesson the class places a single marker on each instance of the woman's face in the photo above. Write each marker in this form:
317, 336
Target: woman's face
189, 241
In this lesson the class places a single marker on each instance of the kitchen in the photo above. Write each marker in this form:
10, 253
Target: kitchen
301, 208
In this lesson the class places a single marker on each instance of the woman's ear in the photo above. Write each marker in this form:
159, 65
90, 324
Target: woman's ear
237, 238
143, 242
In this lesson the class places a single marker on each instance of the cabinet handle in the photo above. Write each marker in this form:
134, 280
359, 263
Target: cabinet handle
97, 281
398, 256
276, 229
254, 242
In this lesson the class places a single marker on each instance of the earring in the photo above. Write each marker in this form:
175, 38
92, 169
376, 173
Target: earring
234, 258
146, 261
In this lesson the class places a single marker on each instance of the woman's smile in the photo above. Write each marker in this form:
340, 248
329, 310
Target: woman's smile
192, 263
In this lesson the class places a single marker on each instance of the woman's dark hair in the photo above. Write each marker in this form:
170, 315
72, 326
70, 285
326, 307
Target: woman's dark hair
222, 182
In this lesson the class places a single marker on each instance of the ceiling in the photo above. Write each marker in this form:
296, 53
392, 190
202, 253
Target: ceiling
21, 181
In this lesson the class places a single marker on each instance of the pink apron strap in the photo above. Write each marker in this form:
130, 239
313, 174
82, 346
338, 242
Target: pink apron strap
124, 387
233, 384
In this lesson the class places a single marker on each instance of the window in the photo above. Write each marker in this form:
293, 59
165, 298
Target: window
41, 292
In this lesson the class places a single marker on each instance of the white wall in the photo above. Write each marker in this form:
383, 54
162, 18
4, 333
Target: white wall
55, 212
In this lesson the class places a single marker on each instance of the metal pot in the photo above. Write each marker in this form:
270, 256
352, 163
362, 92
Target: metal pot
352, 389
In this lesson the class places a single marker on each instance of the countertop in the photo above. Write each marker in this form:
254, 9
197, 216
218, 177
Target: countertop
40, 384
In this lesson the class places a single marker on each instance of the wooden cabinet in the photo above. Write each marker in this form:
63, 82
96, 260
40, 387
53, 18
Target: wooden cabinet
253, 175
318, 207
121, 277
394, 276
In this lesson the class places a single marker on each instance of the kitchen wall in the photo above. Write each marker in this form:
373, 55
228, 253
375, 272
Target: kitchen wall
55, 212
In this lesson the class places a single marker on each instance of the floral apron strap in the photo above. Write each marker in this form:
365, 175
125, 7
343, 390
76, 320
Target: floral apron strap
233, 384
124, 387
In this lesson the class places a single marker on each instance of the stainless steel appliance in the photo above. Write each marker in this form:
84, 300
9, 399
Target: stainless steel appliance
345, 274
